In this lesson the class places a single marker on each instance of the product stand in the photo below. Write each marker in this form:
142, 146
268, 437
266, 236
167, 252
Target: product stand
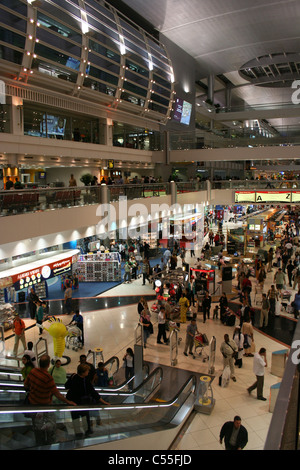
102, 267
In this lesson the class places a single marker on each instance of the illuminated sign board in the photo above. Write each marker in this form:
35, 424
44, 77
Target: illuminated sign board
273, 196
266, 196
245, 196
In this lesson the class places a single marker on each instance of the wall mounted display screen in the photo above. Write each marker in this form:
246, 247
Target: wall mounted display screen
53, 126
182, 111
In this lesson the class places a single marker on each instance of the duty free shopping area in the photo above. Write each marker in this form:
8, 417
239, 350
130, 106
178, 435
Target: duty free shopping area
184, 399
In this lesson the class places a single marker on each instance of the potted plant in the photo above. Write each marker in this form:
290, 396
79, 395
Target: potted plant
86, 179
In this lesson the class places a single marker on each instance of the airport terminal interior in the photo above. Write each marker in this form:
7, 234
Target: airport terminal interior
149, 203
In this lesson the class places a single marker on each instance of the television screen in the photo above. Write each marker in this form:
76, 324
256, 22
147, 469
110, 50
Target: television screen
55, 125
182, 111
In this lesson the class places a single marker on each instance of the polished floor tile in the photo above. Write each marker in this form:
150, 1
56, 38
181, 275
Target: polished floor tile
112, 328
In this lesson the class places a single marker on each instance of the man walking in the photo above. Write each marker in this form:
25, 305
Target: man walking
190, 335
235, 435
19, 330
259, 364
41, 388
229, 350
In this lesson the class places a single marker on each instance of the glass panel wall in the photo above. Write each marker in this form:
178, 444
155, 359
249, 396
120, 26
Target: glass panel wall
55, 124
128, 136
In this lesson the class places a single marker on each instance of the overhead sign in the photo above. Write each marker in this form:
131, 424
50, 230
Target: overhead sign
273, 196
245, 196
258, 197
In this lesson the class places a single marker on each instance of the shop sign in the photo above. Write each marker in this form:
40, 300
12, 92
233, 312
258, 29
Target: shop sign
244, 196
41, 273
273, 196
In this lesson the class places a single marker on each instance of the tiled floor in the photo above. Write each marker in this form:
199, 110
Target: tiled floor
113, 330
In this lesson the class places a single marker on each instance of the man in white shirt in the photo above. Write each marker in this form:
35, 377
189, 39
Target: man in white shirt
259, 364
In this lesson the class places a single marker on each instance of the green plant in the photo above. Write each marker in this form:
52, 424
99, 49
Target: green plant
86, 179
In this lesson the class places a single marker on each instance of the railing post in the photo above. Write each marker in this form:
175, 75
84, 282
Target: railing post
173, 190
105, 196
208, 190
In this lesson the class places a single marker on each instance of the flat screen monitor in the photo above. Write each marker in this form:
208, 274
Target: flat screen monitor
55, 126
182, 111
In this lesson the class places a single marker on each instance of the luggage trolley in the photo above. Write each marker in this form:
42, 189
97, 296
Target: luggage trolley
174, 326
73, 339
201, 342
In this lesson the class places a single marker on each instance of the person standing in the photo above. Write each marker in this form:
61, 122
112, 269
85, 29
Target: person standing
161, 318
68, 298
206, 304
184, 306
41, 387
146, 324
235, 435
290, 269
58, 373
19, 330
32, 299
238, 337
265, 307
272, 296
82, 392
228, 349
28, 366
129, 366
39, 316
190, 336
279, 280
78, 321
72, 181
259, 364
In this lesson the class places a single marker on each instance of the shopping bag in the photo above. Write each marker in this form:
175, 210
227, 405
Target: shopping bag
225, 377
277, 308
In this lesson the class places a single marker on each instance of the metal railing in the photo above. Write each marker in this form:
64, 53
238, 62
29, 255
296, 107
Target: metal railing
21, 201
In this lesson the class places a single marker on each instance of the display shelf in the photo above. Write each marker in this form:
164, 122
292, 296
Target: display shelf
100, 267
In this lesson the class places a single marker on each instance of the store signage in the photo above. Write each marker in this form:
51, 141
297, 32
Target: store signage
267, 196
273, 196
34, 276
110, 164
244, 196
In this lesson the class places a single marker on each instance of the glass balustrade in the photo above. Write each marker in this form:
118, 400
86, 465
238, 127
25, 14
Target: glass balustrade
64, 427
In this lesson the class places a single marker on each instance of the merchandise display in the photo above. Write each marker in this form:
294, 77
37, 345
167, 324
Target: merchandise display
7, 312
100, 267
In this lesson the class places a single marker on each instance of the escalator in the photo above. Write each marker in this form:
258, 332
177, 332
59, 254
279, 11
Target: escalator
12, 390
135, 417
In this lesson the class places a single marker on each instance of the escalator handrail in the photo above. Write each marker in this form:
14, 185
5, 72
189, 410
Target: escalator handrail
57, 407
107, 391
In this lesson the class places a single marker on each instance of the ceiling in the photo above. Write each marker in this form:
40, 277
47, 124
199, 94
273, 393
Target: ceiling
224, 35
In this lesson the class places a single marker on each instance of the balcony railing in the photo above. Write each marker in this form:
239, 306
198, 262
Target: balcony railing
14, 201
